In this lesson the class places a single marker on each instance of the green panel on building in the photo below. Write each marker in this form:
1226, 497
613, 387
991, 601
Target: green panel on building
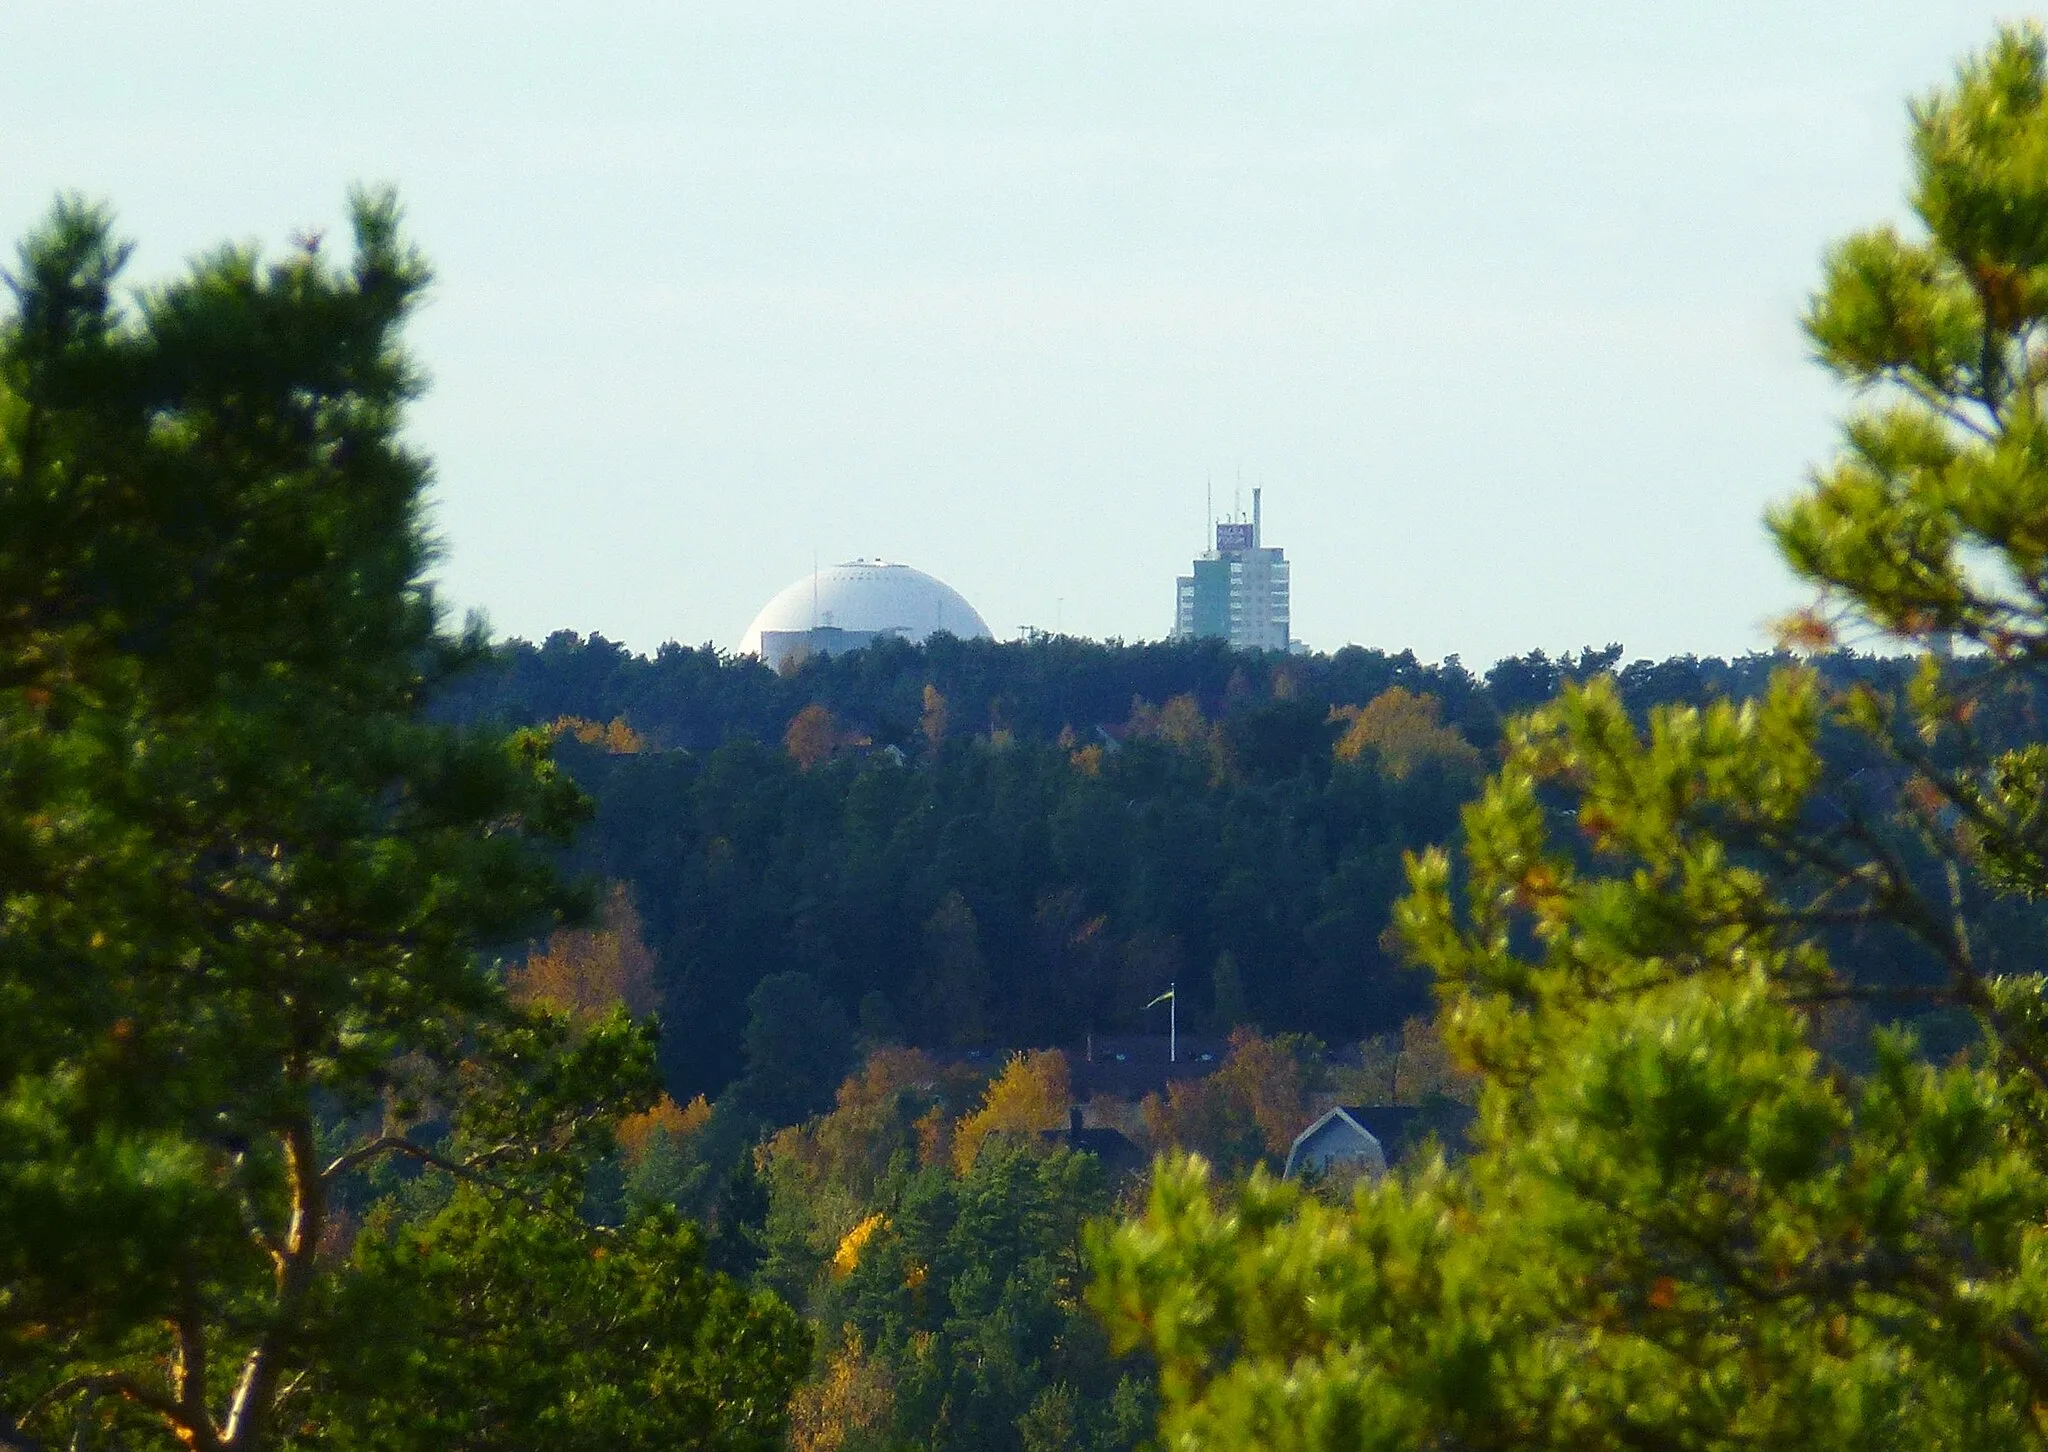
1212, 599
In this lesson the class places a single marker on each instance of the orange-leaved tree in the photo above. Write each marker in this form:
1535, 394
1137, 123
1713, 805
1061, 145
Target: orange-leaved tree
587, 972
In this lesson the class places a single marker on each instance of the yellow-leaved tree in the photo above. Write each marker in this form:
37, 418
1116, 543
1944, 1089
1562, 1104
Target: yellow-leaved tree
1406, 730
1030, 1095
933, 721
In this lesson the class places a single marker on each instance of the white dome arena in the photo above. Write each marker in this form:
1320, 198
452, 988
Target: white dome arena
851, 605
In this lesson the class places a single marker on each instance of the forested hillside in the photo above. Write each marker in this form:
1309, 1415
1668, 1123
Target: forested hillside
984, 845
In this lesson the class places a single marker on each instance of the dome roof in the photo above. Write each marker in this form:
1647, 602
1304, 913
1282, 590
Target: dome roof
870, 598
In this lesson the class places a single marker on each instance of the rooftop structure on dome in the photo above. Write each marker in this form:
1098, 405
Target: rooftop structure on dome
848, 606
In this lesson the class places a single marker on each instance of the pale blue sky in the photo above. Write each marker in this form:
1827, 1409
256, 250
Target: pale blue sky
1497, 300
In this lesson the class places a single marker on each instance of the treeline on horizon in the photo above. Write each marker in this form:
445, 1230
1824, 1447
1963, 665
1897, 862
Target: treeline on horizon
981, 845
697, 698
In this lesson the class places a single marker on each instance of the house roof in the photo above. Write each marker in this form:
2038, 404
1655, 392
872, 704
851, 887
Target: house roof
1130, 1066
1393, 1126
1118, 1156
1337, 1114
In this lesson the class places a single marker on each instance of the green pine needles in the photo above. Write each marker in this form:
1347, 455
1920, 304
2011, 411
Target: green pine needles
1723, 1191
279, 1161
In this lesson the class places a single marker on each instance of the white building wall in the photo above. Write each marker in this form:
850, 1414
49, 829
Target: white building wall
1259, 600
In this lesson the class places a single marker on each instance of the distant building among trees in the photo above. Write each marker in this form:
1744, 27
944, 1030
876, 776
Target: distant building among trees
851, 606
1238, 591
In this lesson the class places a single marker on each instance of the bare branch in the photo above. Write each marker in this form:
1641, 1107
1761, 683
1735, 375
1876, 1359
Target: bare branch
475, 1169
121, 1384
391, 1144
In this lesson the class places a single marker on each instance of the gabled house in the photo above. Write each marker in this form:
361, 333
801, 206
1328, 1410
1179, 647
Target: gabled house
1337, 1140
1373, 1136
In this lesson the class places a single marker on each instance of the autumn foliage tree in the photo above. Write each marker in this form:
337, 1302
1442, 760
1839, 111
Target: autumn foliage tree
588, 972
638, 1132
1031, 1094
812, 736
826, 1171
933, 720
1251, 1108
614, 736
1409, 1069
946, 1286
1405, 730
850, 1408
873, 1118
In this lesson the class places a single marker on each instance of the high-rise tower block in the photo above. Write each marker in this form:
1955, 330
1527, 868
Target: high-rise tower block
1237, 591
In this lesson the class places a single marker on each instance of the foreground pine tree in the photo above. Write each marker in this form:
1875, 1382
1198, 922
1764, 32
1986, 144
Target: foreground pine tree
1716, 1201
244, 885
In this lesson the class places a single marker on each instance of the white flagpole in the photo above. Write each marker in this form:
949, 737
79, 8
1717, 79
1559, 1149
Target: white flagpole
1172, 1001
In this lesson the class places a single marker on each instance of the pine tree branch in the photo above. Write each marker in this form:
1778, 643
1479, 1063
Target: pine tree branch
1933, 396
475, 1170
121, 1384
394, 1144
256, 1389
